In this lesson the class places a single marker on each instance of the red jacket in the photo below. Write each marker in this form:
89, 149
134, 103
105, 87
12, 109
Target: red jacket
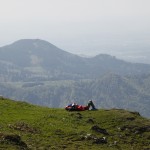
76, 107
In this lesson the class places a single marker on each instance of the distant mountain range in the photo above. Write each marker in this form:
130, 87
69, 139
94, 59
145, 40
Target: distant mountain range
36, 71
34, 59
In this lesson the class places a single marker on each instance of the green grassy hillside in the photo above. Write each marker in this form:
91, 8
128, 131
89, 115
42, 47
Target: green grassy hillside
25, 126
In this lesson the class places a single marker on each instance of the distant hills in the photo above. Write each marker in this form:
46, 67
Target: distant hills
38, 72
35, 59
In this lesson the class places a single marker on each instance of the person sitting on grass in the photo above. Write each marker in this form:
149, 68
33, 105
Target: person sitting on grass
76, 107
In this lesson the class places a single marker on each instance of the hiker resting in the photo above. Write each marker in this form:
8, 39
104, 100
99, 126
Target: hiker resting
76, 107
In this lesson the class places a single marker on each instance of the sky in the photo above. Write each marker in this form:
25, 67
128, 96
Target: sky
86, 27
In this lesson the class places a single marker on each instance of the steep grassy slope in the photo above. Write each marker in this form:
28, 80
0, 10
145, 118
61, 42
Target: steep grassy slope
25, 126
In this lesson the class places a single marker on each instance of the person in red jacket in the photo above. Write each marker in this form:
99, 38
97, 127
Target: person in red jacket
76, 107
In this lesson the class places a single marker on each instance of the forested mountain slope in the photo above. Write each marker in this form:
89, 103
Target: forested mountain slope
109, 91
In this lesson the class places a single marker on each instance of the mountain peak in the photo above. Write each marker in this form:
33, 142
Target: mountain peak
32, 42
24, 51
27, 53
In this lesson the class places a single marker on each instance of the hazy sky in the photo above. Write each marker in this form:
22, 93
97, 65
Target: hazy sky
81, 26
